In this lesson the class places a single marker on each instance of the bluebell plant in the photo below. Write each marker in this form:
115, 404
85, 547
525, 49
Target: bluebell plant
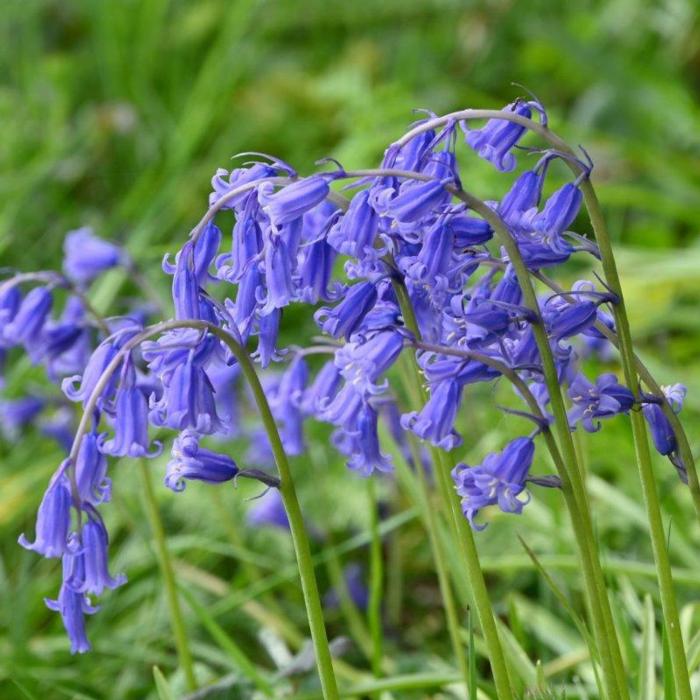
397, 261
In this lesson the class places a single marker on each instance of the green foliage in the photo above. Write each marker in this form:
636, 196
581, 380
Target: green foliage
116, 113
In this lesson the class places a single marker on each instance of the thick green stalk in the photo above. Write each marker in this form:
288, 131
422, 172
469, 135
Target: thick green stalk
641, 444
461, 529
177, 620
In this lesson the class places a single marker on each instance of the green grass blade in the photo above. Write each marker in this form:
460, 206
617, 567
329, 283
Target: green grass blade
647, 661
162, 686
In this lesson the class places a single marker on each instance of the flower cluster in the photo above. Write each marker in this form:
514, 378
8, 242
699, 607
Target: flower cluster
402, 264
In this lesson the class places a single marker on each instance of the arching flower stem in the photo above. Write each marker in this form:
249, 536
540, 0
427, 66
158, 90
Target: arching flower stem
600, 231
300, 537
572, 479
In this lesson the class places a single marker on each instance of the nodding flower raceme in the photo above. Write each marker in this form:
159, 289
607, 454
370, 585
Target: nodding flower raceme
397, 264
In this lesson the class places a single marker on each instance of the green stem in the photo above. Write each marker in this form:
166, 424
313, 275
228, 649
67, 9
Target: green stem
177, 621
461, 529
374, 607
300, 538
572, 482
641, 444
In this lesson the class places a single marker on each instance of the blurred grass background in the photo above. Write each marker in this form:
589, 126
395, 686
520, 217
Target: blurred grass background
115, 113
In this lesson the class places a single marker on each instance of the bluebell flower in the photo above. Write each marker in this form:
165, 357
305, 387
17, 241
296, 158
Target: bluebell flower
73, 606
173, 349
224, 182
603, 399
201, 254
469, 231
10, 300
246, 246
94, 543
268, 509
250, 289
411, 155
443, 166
17, 414
322, 390
569, 319
268, 330
91, 470
495, 140
53, 518
435, 421
486, 322
520, 203
316, 272
66, 343
675, 394
508, 291
344, 318
130, 420
355, 232
186, 292
187, 400
660, 427
293, 201
416, 201
86, 256
27, 326
344, 408
559, 211
80, 388
191, 461
499, 479
436, 257
539, 250
361, 444
279, 284
363, 360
